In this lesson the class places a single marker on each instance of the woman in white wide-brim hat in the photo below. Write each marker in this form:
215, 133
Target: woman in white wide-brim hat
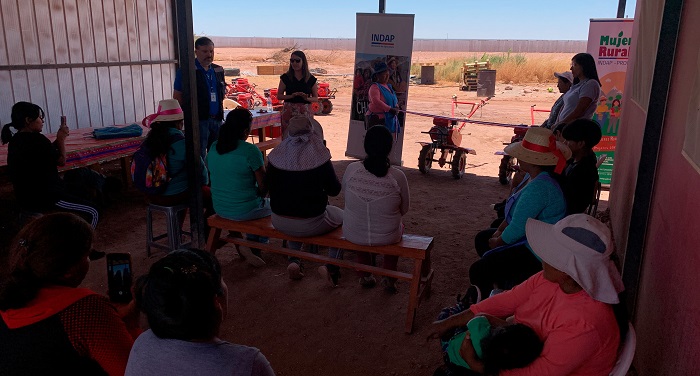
300, 177
570, 304
543, 158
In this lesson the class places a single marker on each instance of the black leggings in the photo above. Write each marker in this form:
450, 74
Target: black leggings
505, 268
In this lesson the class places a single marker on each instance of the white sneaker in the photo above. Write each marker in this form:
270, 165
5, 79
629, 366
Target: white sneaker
250, 257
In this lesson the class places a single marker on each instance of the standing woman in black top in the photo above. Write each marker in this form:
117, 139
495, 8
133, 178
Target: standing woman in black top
297, 89
33, 160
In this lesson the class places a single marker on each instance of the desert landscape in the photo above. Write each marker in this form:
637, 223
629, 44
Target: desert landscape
307, 327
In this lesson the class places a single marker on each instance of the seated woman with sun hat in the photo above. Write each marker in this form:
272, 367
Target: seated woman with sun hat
569, 304
510, 260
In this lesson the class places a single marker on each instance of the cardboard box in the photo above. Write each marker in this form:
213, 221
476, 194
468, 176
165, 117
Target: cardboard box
271, 69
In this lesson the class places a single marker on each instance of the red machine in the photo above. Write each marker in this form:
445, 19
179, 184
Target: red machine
508, 163
324, 104
243, 92
447, 138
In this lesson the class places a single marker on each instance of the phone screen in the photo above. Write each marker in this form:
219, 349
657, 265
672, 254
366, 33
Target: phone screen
63, 121
119, 276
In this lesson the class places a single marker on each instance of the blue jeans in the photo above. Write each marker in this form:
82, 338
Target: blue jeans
208, 133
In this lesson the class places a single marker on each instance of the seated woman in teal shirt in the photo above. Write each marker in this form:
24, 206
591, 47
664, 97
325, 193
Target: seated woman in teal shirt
510, 260
237, 175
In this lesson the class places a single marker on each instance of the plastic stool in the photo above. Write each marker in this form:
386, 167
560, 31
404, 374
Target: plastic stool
174, 233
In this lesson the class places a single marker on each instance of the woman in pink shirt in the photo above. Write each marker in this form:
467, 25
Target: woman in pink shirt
383, 104
569, 304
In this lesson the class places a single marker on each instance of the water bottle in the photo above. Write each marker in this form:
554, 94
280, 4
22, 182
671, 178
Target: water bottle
268, 99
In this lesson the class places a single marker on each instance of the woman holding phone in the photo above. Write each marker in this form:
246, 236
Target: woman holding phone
48, 325
297, 89
33, 162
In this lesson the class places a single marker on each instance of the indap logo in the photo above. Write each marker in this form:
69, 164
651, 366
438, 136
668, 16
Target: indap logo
610, 47
383, 40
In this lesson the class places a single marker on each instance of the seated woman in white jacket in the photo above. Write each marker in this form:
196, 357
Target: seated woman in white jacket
376, 197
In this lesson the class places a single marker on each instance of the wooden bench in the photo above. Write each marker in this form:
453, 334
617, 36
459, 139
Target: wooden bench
268, 144
411, 246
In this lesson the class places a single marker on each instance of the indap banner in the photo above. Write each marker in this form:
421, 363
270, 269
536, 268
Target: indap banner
610, 42
380, 38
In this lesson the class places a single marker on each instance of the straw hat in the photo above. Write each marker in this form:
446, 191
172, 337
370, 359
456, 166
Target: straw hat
540, 148
580, 246
168, 110
379, 67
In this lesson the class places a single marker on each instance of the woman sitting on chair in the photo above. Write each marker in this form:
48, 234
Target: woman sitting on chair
542, 198
569, 304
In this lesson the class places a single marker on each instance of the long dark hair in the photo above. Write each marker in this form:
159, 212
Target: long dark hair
158, 139
233, 130
587, 63
20, 112
378, 143
178, 295
41, 254
304, 66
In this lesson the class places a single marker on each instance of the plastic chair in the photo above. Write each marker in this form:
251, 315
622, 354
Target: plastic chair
174, 233
624, 358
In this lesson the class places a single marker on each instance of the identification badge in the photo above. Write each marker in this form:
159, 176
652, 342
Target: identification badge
213, 97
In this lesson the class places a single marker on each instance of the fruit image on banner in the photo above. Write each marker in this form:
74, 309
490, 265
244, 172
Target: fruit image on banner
610, 42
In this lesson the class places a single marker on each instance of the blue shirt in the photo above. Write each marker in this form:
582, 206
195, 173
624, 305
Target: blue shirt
211, 84
541, 199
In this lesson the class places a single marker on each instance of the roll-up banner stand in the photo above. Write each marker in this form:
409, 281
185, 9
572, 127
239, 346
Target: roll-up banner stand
610, 42
384, 38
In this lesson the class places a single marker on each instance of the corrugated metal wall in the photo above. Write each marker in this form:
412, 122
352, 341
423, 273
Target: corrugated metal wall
99, 62
441, 45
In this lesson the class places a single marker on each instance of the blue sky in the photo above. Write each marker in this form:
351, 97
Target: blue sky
435, 19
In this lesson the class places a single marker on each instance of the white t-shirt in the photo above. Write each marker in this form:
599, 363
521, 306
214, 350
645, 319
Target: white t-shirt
584, 89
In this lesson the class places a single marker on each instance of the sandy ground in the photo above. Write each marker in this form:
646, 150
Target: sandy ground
306, 327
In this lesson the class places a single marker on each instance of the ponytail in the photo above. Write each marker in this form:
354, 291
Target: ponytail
20, 112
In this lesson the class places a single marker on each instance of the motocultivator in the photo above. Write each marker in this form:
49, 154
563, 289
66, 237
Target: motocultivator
445, 136
244, 94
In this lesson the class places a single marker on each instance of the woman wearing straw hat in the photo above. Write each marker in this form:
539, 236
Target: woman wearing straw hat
300, 177
165, 137
510, 259
569, 304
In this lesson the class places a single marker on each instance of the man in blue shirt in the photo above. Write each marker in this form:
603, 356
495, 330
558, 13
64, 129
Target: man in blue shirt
211, 88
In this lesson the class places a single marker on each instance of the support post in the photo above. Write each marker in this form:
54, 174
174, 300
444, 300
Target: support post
185, 48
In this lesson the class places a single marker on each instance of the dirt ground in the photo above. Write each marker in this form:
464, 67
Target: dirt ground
307, 327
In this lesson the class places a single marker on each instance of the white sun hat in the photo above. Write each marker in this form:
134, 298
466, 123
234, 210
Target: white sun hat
580, 246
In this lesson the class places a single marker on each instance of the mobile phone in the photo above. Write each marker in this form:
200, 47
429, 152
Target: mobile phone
119, 277
63, 121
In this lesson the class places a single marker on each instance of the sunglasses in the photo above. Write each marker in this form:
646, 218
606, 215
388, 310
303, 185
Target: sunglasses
295, 60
